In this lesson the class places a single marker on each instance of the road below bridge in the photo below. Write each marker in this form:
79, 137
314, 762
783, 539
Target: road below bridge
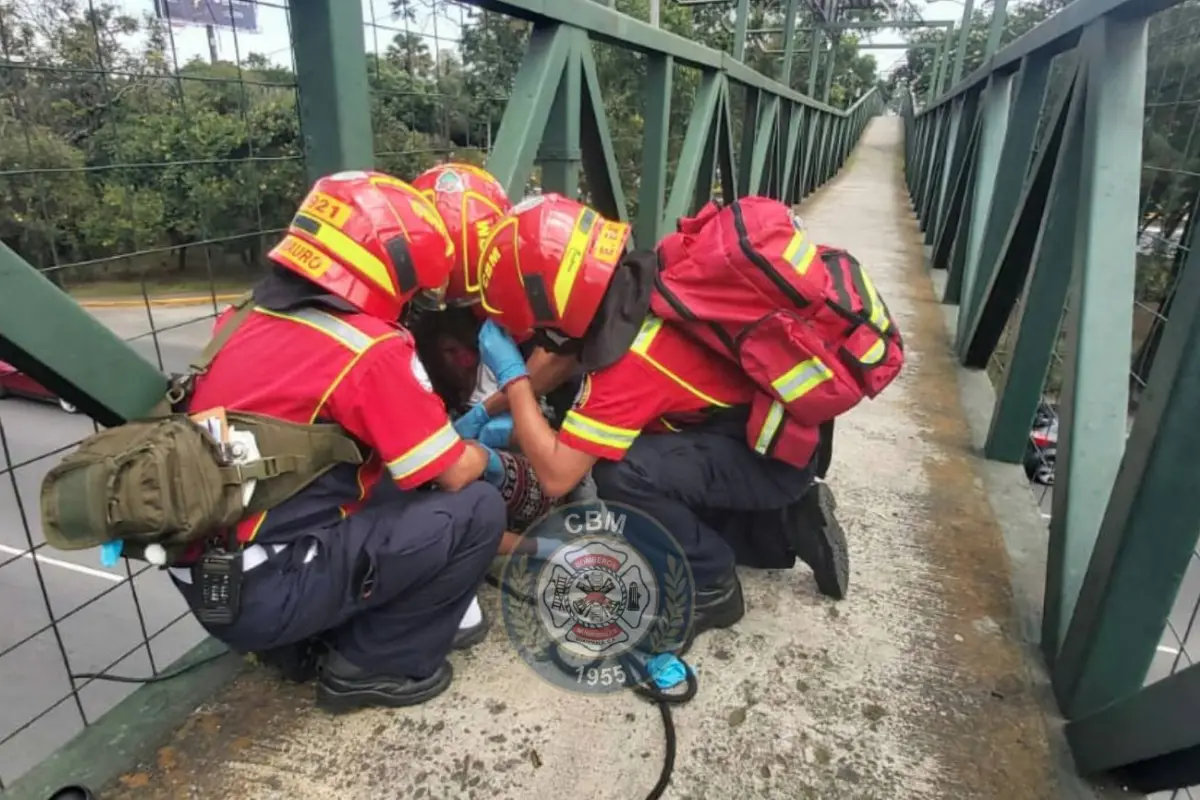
105, 613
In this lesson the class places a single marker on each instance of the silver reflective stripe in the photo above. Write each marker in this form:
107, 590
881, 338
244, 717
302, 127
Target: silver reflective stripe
592, 431
770, 425
424, 453
344, 332
801, 379
649, 329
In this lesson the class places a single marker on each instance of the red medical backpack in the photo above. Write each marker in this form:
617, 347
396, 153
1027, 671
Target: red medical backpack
803, 321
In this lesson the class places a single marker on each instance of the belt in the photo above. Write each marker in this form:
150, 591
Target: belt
253, 556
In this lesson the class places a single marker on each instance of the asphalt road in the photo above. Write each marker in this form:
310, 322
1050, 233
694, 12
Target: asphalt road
101, 621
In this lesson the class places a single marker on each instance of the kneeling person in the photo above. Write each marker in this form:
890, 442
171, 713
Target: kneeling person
384, 574
660, 421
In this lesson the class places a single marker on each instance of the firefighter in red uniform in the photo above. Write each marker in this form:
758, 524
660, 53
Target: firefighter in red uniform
659, 420
382, 574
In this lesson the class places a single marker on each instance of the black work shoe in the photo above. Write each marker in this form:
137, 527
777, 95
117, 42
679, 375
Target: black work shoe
817, 538
717, 606
469, 637
293, 662
344, 687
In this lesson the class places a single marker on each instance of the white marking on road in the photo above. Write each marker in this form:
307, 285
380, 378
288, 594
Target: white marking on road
1162, 648
54, 562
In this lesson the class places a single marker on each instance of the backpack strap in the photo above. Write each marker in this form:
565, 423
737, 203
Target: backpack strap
243, 308
180, 386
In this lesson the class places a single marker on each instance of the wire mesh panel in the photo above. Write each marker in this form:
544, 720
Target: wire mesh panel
1169, 191
146, 162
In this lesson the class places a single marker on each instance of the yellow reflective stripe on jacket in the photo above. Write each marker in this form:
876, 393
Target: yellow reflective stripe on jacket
801, 379
641, 345
339, 330
597, 432
769, 427
423, 454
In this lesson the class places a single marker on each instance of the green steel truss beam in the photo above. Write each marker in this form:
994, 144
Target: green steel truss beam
612, 27
46, 335
1057, 34
1099, 329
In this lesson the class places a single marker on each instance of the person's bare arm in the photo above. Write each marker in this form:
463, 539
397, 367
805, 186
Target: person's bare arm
547, 371
467, 469
559, 468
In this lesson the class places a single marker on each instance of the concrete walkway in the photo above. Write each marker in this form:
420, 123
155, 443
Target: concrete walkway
913, 687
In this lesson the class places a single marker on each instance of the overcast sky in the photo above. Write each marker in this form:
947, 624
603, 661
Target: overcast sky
440, 30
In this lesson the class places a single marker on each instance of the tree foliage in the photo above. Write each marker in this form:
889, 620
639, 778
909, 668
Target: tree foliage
117, 161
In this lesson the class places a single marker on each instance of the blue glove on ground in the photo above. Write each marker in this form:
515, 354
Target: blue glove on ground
471, 423
500, 354
493, 473
497, 432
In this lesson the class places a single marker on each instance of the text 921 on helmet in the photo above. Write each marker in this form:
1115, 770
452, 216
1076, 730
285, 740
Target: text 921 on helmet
548, 264
471, 202
370, 239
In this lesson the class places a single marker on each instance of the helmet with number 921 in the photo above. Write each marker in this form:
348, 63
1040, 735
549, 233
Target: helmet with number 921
372, 240
471, 202
548, 265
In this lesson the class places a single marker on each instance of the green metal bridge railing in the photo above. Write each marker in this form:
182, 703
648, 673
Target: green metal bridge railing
1056, 188
124, 160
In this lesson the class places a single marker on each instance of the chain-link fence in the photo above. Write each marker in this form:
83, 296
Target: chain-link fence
146, 162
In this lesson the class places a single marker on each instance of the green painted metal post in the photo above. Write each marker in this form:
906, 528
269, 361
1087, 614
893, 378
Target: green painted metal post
331, 73
657, 115
739, 29
814, 60
694, 172
996, 103
963, 36
599, 155
996, 29
1019, 144
939, 67
953, 153
789, 42
528, 108
44, 333
1094, 402
560, 154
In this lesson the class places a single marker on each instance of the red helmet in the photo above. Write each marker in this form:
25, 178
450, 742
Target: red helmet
470, 202
548, 264
370, 239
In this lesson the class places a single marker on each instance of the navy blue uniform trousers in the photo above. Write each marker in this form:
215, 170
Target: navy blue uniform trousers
387, 586
722, 502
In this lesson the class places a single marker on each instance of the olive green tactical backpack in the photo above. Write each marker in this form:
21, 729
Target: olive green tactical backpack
166, 480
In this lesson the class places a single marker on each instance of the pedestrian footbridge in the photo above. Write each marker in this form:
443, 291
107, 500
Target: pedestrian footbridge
1001, 639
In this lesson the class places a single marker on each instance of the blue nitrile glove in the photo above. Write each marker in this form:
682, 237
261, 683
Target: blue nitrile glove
110, 553
493, 473
471, 423
667, 670
497, 432
500, 354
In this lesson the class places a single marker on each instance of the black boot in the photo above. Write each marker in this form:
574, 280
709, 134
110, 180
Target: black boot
717, 606
294, 662
817, 538
466, 638
344, 687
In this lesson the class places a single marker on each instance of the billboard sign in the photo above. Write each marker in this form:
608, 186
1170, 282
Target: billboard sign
233, 14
